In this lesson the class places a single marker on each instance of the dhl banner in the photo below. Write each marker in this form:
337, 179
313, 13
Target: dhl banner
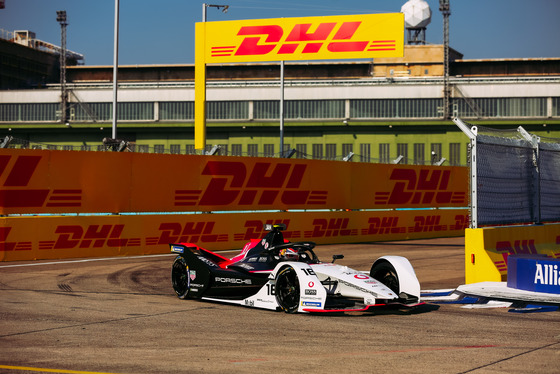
309, 38
53, 237
487, 249
52, 182
289, 39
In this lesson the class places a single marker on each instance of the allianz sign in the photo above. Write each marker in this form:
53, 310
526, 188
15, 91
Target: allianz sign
536, 273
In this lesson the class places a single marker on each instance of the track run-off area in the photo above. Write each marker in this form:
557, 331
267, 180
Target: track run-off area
120, 315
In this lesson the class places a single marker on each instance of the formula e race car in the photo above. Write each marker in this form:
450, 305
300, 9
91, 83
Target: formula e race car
273, 273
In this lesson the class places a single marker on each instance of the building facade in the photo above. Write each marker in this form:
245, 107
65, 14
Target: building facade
377, 110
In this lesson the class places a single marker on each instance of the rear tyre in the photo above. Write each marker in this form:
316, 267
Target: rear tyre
180, 277
386, 274
287, 290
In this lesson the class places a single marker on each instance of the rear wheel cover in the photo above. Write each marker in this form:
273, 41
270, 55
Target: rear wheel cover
287, 289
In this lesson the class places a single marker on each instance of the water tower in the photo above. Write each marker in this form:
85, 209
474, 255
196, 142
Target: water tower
417, 15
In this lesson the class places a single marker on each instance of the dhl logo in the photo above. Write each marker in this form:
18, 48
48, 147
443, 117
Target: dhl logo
305, 38
427, 186
517, 247
187, 232
263, 184
262, 40
92, 236
15, 176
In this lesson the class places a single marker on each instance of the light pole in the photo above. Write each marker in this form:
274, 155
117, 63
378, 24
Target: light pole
61, 18
115, 69
224, 9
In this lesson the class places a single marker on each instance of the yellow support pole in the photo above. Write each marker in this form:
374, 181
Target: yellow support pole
200, 87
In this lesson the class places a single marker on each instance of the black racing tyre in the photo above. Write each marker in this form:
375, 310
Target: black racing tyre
287, 289
384, 272
180, 277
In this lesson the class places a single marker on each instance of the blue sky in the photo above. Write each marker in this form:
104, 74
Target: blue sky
162, 31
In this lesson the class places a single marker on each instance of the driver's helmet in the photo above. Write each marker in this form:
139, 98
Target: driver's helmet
289, 254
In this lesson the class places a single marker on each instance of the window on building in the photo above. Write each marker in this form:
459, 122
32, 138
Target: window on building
394, 108
419, 154
435, 152
314, 109
159, 148
317, 151
223, 149
227, 110
176, 110
253, 150
384, 153
331, 151
287, 149
347, 149
365, 152
454, 154
268, 150
236, 150
301, 150
266, 109
402, 150
189, 149
135, 111
142, 148
175, 149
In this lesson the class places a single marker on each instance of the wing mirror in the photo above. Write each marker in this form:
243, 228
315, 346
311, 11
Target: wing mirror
337, 257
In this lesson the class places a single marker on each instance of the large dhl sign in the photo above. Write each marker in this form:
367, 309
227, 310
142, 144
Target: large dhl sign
289, 39
37, 181
309, 38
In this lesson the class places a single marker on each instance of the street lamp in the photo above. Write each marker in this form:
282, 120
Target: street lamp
61, 18
224, 9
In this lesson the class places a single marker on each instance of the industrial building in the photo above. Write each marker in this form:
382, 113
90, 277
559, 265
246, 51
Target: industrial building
378, 110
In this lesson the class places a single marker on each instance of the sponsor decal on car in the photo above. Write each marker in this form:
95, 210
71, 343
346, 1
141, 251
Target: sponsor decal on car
311, 303
233, 280
192, 274
176, 249
311, 292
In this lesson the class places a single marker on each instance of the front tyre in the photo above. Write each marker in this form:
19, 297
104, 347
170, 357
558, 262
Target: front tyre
180, 277
287, 289
385, 273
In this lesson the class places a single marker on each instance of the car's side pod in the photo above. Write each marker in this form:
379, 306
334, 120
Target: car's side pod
197, 269
407, 280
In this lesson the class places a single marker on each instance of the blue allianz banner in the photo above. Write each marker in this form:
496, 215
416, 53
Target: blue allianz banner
536, 273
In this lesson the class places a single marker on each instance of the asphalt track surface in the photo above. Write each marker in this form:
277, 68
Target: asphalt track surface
121, 316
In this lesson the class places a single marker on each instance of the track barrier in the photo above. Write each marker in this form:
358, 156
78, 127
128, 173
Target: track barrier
61, 204
487, 249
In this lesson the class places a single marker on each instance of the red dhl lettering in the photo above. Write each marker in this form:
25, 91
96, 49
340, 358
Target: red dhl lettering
188, 232
6, 246
506, 248
254, 230
426, 187
265, 39
92, 236
231, 182
383, 225
427, 224
323, 228
19, 175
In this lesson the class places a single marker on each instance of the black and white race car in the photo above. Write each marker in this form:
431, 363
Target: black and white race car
272, 273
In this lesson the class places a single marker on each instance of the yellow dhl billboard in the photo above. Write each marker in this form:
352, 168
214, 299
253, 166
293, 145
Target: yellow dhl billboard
308, 38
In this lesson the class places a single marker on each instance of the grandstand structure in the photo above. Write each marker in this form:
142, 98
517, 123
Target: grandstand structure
382, 110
